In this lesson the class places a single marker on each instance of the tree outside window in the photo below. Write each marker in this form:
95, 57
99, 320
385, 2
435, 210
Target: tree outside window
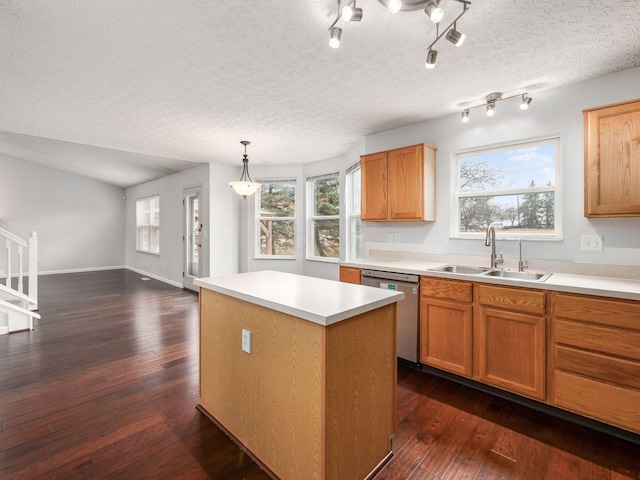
324, 217
514, 188
276, 218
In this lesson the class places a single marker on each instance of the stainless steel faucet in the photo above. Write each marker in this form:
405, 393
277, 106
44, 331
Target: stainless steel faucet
521, 265
490, 241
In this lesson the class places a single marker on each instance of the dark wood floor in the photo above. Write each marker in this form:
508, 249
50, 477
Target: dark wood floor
107, 385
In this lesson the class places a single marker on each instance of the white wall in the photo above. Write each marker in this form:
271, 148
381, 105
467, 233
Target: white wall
168, 265
225, 219
552, 112
79, 222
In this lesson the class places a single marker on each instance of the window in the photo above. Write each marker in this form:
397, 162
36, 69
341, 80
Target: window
148, 225
323, 226
353, 238
276, 218
513, 187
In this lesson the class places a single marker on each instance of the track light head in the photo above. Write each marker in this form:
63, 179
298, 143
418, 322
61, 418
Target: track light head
432, 55
465, 116
491, 106
351, 14
434, 12
455, 37
525, 102
395, 6
335, 33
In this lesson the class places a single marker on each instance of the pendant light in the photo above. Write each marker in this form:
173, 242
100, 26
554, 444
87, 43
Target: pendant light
245, 186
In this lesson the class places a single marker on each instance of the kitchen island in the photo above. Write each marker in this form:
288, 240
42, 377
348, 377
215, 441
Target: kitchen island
300, 371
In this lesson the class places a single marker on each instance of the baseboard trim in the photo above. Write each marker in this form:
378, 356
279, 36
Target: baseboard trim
80, 270
155, 277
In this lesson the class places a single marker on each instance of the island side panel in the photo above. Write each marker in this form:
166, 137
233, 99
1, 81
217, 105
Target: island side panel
271, 400
361, 392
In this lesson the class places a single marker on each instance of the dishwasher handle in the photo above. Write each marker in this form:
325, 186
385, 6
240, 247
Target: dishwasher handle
400, 277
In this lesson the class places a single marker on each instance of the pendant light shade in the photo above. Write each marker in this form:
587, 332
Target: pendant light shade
245, 186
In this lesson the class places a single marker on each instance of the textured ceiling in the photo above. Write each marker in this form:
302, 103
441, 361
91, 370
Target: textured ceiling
182, 82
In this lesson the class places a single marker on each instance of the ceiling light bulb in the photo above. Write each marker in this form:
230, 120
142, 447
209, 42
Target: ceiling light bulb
525, 102
395, 6
455, 37
491, 109
434, 12
431, 59
351, 14
465, 116
334, 37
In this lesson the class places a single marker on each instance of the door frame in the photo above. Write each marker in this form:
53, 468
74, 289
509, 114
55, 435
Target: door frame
190, 192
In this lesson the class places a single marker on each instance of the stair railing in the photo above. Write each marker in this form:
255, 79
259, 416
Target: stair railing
32, 248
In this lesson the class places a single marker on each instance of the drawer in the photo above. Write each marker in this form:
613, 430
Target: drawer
612, 341
615, 313
618, 371
512, 298
459, 291
604, 402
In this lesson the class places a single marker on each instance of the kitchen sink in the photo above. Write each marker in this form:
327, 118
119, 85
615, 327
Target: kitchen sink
537, 277
461, 269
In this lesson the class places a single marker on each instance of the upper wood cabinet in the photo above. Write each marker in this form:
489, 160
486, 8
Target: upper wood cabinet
612, 160
399, 185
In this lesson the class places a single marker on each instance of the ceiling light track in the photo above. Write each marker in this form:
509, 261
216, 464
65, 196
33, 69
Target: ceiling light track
490, 104
351, 13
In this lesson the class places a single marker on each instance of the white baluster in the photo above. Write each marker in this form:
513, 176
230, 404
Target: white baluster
20, 268
8, 282
33, 269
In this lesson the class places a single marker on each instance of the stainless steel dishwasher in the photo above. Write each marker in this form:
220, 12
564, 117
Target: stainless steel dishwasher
407, 308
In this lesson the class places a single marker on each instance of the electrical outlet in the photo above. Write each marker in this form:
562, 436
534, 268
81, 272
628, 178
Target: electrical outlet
246, 340
397, 237
591, 242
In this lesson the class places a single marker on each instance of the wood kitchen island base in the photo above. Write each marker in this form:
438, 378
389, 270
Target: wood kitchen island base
310, 401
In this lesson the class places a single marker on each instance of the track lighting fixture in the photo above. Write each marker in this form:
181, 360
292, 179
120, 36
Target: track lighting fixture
395, 6
431, 58
454, 36
351, 13
434, 12
490, 104
334, 37
245, 186
525, 102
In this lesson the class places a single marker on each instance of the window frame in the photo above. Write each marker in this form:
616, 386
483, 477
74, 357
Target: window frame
312, 218
557, 235
353, 218
258, 218
139, 225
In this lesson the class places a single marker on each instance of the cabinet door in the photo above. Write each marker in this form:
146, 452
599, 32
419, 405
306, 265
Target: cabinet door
612, 160
511, 351
350, 275
446, 335
374, 186
406, 183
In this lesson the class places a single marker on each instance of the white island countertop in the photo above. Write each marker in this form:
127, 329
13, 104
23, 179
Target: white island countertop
314, 299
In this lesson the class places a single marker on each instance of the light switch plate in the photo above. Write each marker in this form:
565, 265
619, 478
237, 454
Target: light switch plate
246, 340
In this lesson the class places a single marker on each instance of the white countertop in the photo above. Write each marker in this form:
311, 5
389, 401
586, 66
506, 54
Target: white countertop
314, 299
585, 284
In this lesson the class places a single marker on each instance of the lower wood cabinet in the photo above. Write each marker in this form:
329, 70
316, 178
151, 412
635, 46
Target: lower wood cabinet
509, 339
596, 358
350, 275
446, 325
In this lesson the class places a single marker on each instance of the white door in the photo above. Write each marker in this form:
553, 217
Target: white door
192, 236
